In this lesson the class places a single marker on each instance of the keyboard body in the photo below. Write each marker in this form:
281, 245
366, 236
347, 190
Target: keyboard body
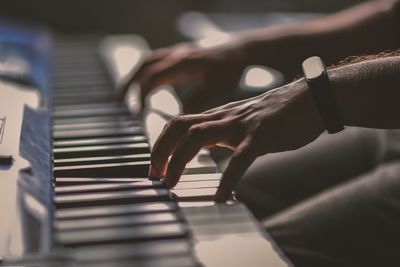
74, 163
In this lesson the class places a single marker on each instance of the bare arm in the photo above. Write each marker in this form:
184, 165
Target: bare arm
364, 29
367, 93
368, 28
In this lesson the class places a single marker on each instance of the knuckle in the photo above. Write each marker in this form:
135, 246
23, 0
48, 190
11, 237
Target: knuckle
195, 132
177, 122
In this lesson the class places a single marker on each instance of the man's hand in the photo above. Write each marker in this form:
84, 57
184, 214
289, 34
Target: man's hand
279, 120
215, 70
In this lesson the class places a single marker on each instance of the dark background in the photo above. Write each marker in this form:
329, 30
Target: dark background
153, 19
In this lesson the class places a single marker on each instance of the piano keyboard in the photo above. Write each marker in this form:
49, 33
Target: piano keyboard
107, 212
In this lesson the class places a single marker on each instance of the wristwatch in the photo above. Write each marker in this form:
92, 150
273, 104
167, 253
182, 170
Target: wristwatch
318, 82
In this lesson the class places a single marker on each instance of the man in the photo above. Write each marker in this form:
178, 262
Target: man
331, 201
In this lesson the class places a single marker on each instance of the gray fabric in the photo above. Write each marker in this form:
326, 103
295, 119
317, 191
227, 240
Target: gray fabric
335, 202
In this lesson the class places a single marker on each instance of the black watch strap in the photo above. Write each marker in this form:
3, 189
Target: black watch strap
318, 82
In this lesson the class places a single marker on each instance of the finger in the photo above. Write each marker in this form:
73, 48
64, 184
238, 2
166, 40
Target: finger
198, 136
155, 56
169, 139
212, 147
242, 158
166, 72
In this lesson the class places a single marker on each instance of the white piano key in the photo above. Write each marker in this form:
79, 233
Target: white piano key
117, 221
152, 249
100, 160
67, 181
201, 164
93, 199
121, 234
194, 194
101, 150
115, 210
162, 261
97, 133
83, 120
91, 188
197, 184
96, 125
89, 111
200, 177
100, 141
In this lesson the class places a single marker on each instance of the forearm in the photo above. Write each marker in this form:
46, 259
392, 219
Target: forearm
368, 93
367, 28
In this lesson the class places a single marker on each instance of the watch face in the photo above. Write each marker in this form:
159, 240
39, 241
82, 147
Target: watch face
313, 68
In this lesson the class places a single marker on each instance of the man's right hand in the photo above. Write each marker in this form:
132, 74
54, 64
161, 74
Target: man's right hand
215, 70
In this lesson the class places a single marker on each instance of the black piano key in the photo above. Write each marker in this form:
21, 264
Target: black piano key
84, 73
93, 108
89, 112
82, 93
97, 133
165, 261
117, 221
64, 62
100, 141
99, 151
72, 90
101, 160
84, 120
115, 210
79, 71
81, 83
107, 104
93, 188
68, 181
65, 100
152, 249
96, 125
76, 79
112, 198
121, 234
117, 170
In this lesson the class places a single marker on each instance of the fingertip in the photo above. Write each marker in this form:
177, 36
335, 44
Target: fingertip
153, 173
171, 179
168, 181
222, 196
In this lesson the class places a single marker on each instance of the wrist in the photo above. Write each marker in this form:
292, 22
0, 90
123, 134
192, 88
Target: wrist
297, 96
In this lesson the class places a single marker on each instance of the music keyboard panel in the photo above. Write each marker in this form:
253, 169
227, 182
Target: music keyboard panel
105, 206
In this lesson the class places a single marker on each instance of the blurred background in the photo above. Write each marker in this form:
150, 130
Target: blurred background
157, 20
